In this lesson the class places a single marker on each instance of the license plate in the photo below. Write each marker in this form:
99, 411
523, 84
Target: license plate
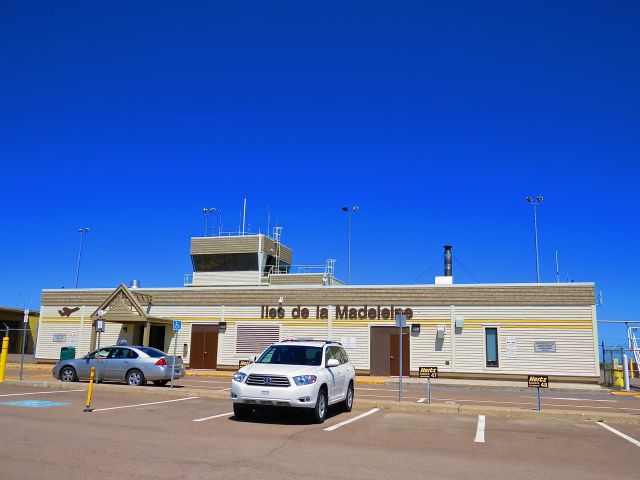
264, 392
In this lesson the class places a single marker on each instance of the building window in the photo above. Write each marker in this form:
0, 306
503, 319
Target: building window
491, 346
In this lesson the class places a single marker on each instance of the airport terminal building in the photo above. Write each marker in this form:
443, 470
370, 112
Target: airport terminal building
244, 294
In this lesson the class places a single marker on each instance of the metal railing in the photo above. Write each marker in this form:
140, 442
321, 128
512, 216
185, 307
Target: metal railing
299, 269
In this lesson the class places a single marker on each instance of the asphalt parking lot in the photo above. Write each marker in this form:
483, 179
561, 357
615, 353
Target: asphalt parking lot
47, 435
523, 398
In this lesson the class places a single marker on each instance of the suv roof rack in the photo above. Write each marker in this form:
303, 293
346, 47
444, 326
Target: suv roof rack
295, 339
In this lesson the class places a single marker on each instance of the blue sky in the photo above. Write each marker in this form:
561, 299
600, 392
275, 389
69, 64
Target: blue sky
436, 118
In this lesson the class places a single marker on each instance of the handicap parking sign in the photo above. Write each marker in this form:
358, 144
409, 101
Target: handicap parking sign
177, 325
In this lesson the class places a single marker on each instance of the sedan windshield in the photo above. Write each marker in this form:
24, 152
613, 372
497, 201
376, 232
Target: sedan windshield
291, 355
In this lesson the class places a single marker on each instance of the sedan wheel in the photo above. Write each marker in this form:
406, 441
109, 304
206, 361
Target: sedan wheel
135, 378
68, 374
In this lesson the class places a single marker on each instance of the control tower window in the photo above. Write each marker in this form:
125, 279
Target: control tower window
283, 267
225, 262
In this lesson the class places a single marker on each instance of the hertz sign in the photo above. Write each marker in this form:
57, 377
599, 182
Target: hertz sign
427, 372
539, 381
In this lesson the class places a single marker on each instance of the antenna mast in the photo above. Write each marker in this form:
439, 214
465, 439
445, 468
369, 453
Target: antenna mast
244, 213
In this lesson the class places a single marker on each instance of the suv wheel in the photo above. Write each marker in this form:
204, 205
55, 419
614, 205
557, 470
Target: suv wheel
320, 410
347, 405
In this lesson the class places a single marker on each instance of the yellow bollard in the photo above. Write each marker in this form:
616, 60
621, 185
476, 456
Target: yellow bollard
3, 358
90, 391
631, 372
618, 380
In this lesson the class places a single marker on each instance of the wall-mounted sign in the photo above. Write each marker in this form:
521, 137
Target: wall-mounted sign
428, 372
243, 363
544, 347
538, 381
511, 347
342, 312
415, 328
59, 337
348, 342
66, 311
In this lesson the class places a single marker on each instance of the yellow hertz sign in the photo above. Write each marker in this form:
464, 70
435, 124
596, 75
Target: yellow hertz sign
243, 363
428, 372
539, 381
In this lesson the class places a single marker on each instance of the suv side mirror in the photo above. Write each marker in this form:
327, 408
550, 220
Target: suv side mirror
332, 362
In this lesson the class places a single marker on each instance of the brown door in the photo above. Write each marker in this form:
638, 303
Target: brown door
204, 346
394, 353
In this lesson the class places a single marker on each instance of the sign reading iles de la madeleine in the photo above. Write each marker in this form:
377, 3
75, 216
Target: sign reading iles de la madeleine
341, 312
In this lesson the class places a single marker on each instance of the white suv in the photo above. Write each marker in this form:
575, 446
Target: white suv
310, 374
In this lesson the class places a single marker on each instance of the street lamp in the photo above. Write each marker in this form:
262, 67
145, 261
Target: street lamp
207, 212
349, 212
82, 231
535, 202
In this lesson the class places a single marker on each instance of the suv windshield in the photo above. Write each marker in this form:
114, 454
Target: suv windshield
292, 355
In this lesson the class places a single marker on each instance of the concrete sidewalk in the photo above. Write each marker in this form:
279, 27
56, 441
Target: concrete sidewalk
374, 380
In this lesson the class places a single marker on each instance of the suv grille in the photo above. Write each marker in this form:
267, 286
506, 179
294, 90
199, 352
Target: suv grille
268, 380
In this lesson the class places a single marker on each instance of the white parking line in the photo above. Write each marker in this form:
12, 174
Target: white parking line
143, 404
213, 416
40, 393
620, 434
480, 430
346, 422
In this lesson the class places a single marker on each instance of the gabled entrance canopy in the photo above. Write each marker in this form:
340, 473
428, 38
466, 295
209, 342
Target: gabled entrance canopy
126, 307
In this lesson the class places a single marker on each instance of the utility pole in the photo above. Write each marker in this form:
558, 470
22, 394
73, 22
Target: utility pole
535, 202
83, 231
349, 212
207, 212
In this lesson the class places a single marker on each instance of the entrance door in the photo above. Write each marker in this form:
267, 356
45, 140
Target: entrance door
385, 351
394, 354
156, 336
204, 346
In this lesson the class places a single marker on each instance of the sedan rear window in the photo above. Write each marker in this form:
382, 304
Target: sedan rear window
152, 352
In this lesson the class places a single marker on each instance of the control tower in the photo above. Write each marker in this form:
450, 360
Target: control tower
254, 259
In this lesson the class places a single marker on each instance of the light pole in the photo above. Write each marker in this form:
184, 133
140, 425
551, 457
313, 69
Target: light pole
83, 231
207, 212
349, 212
534, 202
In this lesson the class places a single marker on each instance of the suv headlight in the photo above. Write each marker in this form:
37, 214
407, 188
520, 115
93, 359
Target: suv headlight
305, 379
239, 377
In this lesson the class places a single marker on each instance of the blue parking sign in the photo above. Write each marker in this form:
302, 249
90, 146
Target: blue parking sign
177, 325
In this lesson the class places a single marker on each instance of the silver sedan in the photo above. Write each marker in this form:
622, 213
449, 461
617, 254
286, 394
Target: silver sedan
130, 364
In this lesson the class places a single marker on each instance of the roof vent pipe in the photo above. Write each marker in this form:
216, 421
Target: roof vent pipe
134, 284
448, 268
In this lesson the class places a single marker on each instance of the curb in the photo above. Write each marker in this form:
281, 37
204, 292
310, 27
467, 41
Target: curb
386, 405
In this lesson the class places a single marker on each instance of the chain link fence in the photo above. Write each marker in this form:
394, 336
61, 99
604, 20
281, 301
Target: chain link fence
612, 367
15, 338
